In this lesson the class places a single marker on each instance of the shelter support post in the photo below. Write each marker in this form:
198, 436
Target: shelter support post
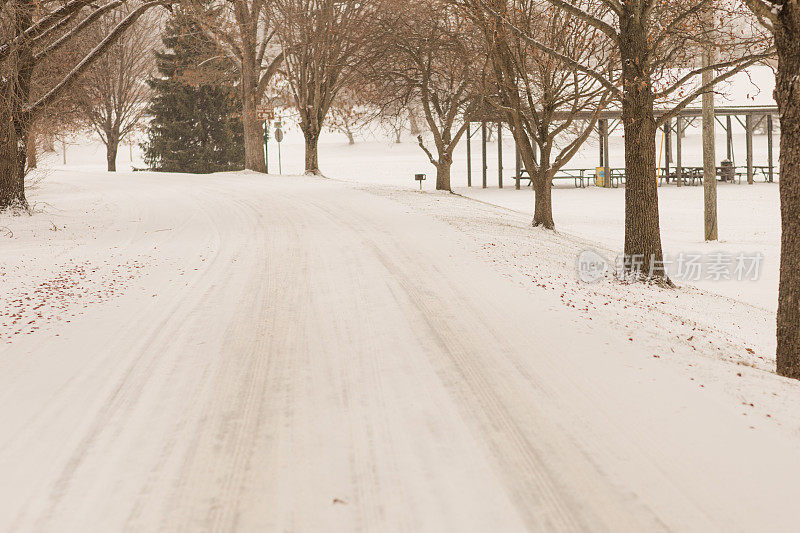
601, 137
500, 155
667, 147
748, 126
469, 155
483, 152
729, 136
604, 155
678, 159
770, 161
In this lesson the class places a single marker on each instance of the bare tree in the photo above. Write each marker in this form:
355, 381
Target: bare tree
33, 32
62, 114
324, 43
351, 111
246, 32
62, 119
431, 57
709, 134
395, 119
657, 44
115, 89
782, 19
541, 96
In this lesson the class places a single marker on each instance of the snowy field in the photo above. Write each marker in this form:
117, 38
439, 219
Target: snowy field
237, 351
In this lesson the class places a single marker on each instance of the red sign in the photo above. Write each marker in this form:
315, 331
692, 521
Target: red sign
265, 112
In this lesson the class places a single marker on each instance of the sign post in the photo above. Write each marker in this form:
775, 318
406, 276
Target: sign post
265, 112
279, 138
266, 144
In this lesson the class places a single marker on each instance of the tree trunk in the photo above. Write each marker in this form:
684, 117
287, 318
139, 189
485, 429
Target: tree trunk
49, 142
543, 192
443, 175
643, 255
414, 125
709, 142
709, 166
14, 132
12, 188
787, 91
312, 155
540, 172
111, 152
254, 158
30, 151
14, 125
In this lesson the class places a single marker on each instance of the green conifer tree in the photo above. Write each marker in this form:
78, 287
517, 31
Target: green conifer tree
195, 113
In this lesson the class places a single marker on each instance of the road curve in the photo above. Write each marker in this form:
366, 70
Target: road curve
300, 355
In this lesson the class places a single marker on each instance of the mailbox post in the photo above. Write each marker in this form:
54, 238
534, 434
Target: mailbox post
420, 178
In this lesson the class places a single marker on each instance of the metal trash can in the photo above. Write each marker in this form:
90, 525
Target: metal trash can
727, 171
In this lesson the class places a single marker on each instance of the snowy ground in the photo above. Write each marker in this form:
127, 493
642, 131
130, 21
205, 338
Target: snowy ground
749, 216
259, 353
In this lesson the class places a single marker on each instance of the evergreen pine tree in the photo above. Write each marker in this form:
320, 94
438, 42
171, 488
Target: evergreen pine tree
195, 112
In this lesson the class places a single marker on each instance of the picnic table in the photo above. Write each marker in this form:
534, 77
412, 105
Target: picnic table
689, 176
694, 175
580, 177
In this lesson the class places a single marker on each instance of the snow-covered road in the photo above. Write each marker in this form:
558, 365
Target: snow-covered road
237, 352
